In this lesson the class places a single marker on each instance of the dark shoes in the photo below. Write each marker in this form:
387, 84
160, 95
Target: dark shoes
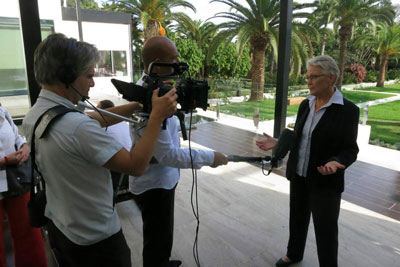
281, 263
175, 263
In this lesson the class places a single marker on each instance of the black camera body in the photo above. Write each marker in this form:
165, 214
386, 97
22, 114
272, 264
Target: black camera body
191, 93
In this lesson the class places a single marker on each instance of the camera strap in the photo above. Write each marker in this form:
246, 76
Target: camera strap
39, 130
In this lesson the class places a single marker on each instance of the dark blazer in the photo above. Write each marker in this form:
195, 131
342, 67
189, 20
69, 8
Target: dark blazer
334, 138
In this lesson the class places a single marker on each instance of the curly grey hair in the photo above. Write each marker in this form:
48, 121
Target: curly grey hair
58, 53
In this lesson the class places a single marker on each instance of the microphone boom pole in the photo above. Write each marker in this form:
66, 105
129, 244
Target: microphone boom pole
138, 119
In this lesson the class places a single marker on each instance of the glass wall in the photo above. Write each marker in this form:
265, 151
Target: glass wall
12, 65
13, 83
112, 63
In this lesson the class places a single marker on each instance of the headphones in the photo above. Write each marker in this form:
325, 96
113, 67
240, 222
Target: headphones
66, 73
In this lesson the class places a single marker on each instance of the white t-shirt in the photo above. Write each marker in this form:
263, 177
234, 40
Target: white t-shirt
120, 132
9, 138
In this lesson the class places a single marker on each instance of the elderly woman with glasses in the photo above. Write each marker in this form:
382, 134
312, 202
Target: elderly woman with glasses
325, 145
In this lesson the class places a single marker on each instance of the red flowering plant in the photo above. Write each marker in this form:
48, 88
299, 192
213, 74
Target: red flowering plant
357, 70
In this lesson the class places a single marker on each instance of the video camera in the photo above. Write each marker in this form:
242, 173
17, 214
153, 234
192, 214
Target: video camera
191, 93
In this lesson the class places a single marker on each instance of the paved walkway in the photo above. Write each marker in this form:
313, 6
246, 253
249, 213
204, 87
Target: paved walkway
244, 220
379, 101
368, 185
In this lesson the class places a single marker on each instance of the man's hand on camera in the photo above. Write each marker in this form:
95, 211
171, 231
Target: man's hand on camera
164, 106
219, 159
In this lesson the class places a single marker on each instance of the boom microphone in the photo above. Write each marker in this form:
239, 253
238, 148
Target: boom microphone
234, 158
282, 147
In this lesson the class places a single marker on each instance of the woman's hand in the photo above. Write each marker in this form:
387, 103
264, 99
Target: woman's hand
22, 154
330, 168
268, 143
10, 159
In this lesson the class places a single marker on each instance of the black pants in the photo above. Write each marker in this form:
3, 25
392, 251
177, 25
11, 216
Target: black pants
112, 251
157, 207
324, 205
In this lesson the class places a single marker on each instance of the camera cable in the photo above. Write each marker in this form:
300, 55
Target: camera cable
194, 198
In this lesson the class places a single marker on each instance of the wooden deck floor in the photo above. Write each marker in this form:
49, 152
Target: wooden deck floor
367, 185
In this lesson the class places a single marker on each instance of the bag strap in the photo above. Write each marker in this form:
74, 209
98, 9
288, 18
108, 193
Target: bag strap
10, 121
41, 126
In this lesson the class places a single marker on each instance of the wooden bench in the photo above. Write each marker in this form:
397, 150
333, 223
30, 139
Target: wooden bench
295, 100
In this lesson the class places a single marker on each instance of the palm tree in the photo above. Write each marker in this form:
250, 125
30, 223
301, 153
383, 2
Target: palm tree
201, 32
364, 46
388, 38
322, 17
151, 13
257, 24
301, 46
351, 13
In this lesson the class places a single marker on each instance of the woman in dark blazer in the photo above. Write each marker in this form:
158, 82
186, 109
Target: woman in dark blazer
325, 145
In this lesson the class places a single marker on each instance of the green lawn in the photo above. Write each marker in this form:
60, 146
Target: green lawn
385, 122
393, 88
360, 97
267, 107
388, 111
246, 109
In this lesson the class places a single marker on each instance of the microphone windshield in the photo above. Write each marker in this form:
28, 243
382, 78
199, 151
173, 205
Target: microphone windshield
285, 143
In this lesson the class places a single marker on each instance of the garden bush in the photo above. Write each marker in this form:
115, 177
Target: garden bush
269, 78
297, 80
378, 142
393, 74
348, 78
371, 77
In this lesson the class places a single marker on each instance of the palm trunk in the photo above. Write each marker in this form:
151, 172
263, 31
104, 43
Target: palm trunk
377, 63
151, 29
311, 48
258, 43
382, 71
291, 65
299, 68
344, 33
250, 73
323, 44
272, 69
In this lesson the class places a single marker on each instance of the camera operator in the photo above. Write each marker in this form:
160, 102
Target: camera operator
154, 192
76, 155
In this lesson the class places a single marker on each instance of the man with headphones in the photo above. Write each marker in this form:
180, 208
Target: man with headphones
76, 155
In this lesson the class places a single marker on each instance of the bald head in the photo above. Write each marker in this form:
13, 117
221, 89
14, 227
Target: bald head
159, 49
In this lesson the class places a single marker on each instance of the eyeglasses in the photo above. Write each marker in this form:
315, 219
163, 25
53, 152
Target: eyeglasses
312, 77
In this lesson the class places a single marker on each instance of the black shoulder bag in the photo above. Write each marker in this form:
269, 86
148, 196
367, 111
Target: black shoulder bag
18, 179
37, 201
18, 176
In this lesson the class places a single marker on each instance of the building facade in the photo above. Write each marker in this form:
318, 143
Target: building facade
109, 31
